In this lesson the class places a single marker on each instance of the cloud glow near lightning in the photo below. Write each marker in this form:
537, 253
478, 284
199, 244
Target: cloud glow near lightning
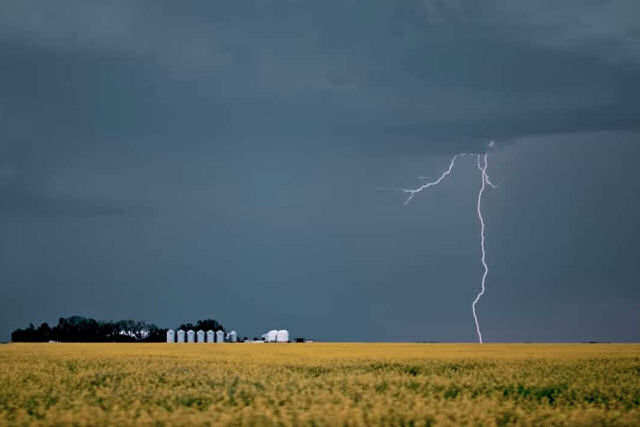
482, 167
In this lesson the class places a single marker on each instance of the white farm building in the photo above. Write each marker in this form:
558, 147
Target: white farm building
282, 336
210, 336
200, 336
275, 335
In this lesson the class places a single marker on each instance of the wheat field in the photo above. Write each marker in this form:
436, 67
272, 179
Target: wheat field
320, 384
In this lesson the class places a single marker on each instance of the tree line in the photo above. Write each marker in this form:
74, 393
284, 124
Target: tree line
84, 329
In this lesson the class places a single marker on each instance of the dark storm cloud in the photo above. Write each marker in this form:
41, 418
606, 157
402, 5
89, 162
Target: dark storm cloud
390, 77
225, 130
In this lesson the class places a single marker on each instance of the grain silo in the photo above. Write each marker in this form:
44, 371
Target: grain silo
180, 336
220, 336
171, 336
232, 336
200, 336
272, 336
211, 336
191, 336
282, 336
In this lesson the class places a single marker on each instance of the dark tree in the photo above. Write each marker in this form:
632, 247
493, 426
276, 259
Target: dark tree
44, 332
84, 329
187, 326
205, 325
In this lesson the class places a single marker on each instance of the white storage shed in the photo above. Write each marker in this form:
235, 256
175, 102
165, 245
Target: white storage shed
272, 336
282, 336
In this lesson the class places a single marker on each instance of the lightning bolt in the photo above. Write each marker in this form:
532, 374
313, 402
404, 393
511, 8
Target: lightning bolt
414, 191
482, 167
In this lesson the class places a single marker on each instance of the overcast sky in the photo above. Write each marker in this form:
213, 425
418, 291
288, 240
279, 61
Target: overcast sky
172, 161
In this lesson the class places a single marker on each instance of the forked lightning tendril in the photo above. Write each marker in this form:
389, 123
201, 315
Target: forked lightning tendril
482, 166
412, 192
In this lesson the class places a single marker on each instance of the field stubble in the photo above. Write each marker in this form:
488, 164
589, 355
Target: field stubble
320, 384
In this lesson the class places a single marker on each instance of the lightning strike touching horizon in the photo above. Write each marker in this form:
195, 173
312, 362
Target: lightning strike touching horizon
485, 180
482, 167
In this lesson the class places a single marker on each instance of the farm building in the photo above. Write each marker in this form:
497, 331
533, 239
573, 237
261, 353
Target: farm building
200, 336
282, 336
271, 336
212, 336
276, 336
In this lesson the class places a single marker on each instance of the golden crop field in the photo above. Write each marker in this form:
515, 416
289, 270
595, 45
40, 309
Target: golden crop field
320, 384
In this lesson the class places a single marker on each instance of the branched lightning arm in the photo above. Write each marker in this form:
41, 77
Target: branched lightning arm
414, 191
